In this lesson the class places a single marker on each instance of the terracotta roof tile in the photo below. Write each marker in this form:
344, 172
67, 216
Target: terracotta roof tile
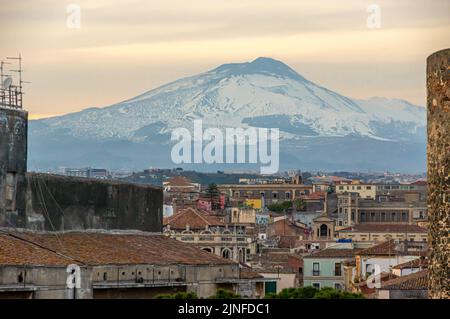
14, 251
334, 253
195, 218
179, 181
385, 248
416, 263
415, 281
106, 248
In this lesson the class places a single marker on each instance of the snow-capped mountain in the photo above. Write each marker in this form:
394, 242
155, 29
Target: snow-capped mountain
262, 93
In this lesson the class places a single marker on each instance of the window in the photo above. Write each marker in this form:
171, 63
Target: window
274, 195
288, 195
316, 269
340, 222
404, 217
358, 187
337, 269
341, 188
369, 187
337, 286
316, 285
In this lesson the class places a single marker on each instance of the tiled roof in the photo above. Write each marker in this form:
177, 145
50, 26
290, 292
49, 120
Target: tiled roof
106, 248
195, 218
385, 248
385, 228
416, 263
416, 281
390, 247
420, 182
248, 273
385, 276
314, 196
334, 253
179, 181
14, 251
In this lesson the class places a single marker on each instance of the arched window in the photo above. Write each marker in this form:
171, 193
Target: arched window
226, 253
323, 230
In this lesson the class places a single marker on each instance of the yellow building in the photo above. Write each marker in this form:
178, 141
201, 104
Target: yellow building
254, 203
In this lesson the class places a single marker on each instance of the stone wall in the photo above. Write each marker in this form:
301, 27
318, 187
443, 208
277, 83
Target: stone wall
67, 203
13, 163
438, 103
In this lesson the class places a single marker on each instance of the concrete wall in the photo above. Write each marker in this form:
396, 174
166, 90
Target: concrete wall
13, 164
49, 282
438, 104
68, 203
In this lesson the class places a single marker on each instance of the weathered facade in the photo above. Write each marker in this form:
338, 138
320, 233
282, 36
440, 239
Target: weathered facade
68, 203
13, 163
438, 103
111, 265
48, 202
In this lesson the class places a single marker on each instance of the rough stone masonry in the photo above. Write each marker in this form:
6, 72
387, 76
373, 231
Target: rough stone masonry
438, 103
56, 203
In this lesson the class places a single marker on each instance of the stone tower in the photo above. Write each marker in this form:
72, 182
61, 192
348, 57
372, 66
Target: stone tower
13, 164
438, 104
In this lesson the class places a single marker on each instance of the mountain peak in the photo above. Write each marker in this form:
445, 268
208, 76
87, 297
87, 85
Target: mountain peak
261, 65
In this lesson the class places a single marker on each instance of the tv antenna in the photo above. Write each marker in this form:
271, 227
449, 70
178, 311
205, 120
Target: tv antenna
11, 95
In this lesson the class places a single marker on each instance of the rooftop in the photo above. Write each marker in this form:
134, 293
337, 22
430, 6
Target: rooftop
179, 181
334, 253
99, 248
416, 281
416, 263
195, 218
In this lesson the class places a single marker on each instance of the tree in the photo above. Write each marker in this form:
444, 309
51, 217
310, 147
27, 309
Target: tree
313, 293
280, 207
212, 192
299, 204
178, 295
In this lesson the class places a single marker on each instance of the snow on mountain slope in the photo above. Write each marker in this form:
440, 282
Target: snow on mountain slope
241, 94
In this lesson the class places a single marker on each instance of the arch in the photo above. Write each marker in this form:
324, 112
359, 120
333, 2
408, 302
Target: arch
208, 249
227, 253
324, 230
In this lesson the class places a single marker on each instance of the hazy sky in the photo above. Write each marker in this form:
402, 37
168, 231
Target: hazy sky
126, 47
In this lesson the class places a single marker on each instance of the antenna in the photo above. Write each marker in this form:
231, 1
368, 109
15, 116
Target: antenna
10, 94
19, 58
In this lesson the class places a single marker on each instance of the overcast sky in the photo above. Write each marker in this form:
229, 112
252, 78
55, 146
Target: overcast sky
126, 47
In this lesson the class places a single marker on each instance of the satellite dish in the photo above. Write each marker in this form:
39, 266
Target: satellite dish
7, 83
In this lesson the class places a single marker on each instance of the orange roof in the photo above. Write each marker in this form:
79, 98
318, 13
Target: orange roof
315, 195
416, 263
101, 248
415, 281
179, 181
195, 218
14, 251
385, 248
